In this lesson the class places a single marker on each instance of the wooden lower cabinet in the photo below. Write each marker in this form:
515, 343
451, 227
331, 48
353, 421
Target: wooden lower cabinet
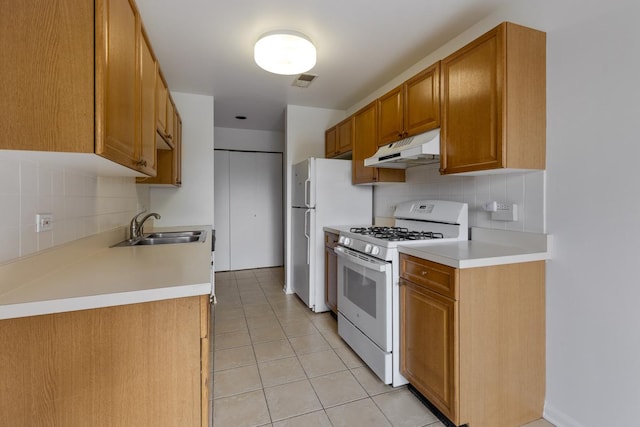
133, 365
331, 271
473, 340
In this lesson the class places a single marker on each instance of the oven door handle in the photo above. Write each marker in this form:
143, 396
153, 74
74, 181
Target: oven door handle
366, 263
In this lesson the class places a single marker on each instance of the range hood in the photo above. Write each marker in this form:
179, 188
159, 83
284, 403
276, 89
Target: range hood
416, 150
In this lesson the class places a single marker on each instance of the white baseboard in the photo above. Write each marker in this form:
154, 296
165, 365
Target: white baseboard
559, 418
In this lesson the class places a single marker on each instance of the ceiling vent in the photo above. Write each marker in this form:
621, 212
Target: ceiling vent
304, 80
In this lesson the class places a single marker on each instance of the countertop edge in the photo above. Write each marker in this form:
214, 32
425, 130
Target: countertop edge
429, 254
37, 308
488, 247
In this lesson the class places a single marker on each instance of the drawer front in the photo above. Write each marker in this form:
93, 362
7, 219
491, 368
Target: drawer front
435, 277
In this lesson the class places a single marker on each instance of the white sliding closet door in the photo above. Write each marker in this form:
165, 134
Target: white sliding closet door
221, 212
254, 210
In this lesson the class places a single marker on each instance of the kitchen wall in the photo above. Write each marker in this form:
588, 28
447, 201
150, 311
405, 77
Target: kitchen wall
591, 205
82, 204
192, 203
304, 138
425, 182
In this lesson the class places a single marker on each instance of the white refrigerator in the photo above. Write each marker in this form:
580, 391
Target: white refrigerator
322, 195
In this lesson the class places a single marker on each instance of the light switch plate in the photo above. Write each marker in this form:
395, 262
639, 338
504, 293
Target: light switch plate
44, 222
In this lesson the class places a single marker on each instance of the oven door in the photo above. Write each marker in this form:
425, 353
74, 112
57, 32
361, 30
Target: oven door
364, 295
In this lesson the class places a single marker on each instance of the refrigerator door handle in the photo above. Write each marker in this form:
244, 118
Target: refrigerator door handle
307, 231
307, 193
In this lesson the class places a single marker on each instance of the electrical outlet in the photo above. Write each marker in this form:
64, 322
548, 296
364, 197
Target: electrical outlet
44, 222
505, 212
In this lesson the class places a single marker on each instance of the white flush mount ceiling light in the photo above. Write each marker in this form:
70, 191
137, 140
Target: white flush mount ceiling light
285, 52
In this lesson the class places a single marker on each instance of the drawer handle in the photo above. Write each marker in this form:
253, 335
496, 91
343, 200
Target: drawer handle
424, 272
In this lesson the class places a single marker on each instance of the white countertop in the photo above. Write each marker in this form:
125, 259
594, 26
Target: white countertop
488, 247
89, 274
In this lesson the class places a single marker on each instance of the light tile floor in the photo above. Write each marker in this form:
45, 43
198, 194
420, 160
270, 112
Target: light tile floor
276, 363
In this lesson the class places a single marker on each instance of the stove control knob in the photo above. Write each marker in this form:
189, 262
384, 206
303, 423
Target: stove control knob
375, 250
347, 241
341, 239
367, 248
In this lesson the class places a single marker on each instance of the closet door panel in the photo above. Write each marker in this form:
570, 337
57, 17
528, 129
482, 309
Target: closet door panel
221, 210
255, 210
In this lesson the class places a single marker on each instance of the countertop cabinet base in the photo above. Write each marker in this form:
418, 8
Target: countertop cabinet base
473, 340
140, 364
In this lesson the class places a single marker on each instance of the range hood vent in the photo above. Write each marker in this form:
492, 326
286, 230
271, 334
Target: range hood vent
417, 150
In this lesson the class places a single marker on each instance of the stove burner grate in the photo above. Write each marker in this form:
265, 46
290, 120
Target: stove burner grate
396, 233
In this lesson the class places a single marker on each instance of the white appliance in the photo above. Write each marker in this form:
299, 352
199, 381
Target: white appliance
322, 195
415, 150
368, 278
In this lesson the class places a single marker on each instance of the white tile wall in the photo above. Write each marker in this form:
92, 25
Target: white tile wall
527, 190
81, 204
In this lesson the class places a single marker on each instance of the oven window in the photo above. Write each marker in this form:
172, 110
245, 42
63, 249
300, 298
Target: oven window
361, 291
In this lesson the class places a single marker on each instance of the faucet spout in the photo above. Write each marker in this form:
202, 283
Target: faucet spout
136, 227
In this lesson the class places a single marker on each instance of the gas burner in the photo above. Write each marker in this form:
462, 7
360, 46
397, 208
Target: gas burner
395, 234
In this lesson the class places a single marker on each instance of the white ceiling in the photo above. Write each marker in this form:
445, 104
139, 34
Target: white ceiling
206, 47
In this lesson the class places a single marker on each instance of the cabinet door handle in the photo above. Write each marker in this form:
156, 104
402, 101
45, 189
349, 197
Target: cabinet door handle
142, 163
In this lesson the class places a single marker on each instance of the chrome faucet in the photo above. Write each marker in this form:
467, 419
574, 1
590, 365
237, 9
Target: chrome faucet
135, 228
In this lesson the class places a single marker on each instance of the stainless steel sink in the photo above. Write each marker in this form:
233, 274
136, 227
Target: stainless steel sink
165, 238
166, 234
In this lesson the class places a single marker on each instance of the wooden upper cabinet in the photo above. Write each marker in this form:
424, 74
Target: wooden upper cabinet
99, 99
166, 109
390, 116
148, 73
422, 101
330, 147
344, 133
338, 140
161, 106
44, 110
365, 145
117, 81
412, 108
177, 161
169, 160
494, 105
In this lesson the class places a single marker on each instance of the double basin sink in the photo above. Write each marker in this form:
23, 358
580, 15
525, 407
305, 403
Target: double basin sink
165, 237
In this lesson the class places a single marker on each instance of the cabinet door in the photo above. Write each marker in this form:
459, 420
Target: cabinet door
390, 116
429, 346
117, 82
422, 101
331, 271
148, 72
330, 147
161, 99
344, 133
365, 129
171, 119
364, 144
472, 116
47, 72
178, 154
255, 210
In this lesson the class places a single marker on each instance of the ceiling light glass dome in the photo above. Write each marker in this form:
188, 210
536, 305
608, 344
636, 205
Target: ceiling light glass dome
285, 52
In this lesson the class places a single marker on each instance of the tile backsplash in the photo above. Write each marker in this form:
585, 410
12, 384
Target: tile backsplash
82, 204
527, 190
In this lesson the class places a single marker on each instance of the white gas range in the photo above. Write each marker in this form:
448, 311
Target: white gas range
368, 278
